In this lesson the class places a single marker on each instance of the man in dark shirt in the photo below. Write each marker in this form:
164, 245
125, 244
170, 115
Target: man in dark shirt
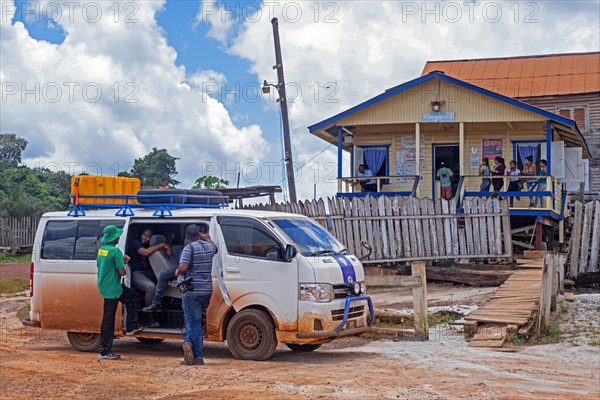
142, 276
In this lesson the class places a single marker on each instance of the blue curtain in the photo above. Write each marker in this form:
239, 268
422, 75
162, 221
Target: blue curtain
526, 151
374, 158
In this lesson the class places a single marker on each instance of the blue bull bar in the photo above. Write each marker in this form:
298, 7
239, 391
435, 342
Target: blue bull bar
349, 300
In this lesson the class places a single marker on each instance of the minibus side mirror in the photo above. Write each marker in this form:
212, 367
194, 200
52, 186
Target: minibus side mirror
290, 252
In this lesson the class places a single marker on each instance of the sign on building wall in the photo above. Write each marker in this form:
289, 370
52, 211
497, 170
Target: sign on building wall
439, 116
406, 162
474, 159
491, 148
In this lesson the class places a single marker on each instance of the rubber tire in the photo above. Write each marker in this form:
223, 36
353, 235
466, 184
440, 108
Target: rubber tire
149, 340
302, 348
251, 321
203, 192
160, 200
84, 341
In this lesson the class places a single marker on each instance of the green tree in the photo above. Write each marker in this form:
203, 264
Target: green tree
25, 191
155, 168
11, 147
210, 182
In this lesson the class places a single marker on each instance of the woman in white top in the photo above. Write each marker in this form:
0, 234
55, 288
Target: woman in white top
514, 184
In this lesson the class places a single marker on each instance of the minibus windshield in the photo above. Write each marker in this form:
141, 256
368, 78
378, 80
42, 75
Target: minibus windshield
310, 237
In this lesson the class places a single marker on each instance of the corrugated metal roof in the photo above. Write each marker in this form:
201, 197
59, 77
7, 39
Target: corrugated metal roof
529, 76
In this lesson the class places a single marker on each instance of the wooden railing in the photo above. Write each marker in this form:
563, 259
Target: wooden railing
548, 199
351, 184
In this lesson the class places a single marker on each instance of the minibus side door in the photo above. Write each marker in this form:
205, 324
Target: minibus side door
254, 269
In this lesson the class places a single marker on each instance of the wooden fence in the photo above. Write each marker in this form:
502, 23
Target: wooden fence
585, 239
395, 228
18, 231
553, 278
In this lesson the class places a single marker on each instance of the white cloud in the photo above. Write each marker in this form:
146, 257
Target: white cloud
219, 17
110, 93
367, 47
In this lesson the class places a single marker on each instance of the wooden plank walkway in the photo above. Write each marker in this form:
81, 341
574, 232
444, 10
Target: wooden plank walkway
514, 304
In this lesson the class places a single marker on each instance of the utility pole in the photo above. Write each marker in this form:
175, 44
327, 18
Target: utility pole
287, 144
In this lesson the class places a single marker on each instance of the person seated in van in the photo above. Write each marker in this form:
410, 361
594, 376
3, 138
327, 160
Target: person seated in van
111, 267
142, 276
163, 281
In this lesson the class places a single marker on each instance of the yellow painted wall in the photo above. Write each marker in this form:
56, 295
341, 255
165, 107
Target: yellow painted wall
409, 106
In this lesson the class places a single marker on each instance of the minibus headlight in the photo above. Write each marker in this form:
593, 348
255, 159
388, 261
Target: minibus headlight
356, 288
363, 288
317, 292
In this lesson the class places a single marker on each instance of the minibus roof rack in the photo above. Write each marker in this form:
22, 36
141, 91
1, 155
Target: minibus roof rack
161, 203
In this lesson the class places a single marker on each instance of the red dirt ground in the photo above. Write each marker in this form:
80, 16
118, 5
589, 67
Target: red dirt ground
42, 364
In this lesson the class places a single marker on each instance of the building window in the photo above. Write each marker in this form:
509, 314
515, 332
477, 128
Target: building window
579, 114
377, 159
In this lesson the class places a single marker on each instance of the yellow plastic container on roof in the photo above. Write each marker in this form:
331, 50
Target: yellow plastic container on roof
92, 185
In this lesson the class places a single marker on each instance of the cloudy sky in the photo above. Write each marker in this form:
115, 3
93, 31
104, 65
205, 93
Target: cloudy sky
92, 85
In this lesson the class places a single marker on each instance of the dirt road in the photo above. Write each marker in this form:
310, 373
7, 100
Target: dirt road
35, 364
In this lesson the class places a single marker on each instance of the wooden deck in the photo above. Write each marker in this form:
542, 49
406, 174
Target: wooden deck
512, 308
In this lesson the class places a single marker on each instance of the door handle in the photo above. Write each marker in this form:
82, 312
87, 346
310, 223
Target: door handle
232, 269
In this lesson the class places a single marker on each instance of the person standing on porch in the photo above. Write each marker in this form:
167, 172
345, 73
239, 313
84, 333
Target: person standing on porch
445, 175
514, 184
484, 170
541, 183
499, 170
367, 185
530, 170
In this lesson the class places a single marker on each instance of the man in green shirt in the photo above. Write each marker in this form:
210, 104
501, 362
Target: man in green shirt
111, 267
445, 175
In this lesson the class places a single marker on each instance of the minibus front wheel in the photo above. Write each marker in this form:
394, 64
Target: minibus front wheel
251, 335
84, 341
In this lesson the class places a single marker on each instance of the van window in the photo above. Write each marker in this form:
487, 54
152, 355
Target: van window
246, 240
74, 239
59, 240
309, 236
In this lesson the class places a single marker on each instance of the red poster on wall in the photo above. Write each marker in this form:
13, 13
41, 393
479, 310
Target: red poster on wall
491, 148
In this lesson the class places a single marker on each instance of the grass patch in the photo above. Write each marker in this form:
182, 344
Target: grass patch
395, 321
23, 312
563, 306
442, 317
553, 335
12, 286
594, 342
10, 258
408, 321
598, 308
516, 339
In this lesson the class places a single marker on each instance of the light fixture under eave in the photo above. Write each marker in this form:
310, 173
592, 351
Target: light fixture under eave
436, 106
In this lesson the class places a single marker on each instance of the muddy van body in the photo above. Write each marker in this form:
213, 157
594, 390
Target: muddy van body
277, 277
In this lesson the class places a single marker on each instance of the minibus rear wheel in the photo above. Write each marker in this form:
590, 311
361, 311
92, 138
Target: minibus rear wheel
84, 341
251, 335
303, 348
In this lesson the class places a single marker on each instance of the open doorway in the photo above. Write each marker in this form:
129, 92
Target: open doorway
448, 153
